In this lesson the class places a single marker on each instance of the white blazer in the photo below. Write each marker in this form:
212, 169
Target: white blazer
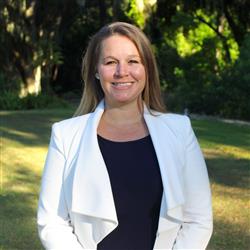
76, 207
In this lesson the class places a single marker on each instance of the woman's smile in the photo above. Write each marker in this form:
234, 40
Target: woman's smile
122, 85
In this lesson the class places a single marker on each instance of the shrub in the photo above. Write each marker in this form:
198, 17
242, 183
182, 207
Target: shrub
236, 82
11, 101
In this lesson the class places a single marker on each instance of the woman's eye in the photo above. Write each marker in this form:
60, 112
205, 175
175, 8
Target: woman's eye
110, 62
133, 61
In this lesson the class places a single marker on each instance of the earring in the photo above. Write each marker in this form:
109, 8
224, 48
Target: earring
97, 76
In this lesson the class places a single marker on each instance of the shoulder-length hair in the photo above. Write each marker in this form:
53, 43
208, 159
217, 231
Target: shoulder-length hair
93, 93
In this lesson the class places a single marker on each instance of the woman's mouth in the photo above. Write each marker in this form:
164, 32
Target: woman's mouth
122, 84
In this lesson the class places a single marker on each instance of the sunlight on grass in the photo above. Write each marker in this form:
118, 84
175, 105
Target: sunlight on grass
24, 142
228, 200
231, 208
18, 161
227, 151
23, 150
236, 152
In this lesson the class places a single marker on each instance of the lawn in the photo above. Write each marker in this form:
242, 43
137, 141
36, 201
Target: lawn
24, 141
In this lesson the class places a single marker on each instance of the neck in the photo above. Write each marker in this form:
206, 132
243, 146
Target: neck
123, 114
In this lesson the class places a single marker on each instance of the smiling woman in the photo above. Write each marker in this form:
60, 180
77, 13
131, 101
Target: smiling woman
125, 174
139, 52
122, 78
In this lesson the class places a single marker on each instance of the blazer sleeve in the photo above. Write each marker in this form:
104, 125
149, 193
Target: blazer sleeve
54, 226
197, 225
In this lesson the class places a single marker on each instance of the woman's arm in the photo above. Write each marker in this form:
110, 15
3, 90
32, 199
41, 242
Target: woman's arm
54, 226
197, 227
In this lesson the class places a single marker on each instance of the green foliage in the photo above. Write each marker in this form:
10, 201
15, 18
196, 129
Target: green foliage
30, 31
11, 101
199, 68
43, 101
9, 82
236, 86
169, 65
197, 45
192, 31
135, 14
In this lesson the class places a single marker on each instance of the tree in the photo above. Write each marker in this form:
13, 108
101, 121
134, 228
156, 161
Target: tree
198, 44
30, 37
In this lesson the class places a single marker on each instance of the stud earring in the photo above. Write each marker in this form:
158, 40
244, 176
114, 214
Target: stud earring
97, 76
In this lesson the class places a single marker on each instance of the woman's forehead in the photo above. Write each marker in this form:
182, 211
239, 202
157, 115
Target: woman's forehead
118, 44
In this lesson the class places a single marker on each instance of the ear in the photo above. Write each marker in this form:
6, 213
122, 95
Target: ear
97, 76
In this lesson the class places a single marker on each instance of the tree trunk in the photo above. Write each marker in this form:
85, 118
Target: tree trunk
31, 82
102, 12
117, 9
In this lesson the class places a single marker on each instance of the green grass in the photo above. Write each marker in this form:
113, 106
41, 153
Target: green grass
227, 151
24, 141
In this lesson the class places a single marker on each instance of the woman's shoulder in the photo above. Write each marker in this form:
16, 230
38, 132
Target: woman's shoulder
174, 117
176, 121
71, 125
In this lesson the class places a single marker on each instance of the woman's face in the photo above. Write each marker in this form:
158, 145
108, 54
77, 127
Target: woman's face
121, 72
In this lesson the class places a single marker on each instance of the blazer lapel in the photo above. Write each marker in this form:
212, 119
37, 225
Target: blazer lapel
166, 145
92, 193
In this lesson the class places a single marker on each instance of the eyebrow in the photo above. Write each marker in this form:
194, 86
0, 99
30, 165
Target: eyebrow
112, 57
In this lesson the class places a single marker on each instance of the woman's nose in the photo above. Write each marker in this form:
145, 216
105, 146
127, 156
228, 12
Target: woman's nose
121, 70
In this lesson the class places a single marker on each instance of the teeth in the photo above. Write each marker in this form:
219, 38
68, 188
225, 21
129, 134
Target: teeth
121, 83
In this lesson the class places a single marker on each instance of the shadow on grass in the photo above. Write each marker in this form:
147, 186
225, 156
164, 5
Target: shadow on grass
229, 171
27, 178
227, 234
18, 222
18, 211
31, 128
18, 208
19, 195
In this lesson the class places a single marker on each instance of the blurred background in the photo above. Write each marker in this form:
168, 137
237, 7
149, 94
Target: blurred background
202, 48
203, 53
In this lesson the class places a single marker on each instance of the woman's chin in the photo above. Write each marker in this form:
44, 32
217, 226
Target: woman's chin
121, 100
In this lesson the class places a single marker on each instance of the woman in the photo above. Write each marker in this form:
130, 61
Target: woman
123, 174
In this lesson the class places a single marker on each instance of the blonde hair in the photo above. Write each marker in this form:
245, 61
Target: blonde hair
93, 92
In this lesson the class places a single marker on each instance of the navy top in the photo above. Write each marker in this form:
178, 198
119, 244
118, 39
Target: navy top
137, 190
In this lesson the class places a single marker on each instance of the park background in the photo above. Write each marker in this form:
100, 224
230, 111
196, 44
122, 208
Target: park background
203, 53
